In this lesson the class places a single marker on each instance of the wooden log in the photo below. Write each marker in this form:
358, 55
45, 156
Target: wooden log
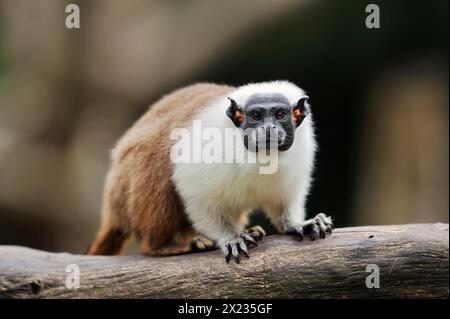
412, 261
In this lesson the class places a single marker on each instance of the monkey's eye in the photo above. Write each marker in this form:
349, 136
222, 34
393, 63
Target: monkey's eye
255, 116
280, 115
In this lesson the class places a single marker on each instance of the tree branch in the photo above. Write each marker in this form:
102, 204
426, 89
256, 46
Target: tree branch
412, 259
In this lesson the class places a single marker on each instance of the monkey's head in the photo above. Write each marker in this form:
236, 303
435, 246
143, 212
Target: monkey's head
268, 120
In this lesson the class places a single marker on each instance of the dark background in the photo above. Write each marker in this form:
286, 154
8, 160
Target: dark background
379, 99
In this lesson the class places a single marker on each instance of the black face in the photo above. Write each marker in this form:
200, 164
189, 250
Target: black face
268, 120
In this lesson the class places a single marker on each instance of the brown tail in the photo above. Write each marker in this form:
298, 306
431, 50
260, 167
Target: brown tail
109, 241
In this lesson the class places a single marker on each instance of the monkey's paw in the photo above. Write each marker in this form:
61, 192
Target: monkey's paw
256, 232
234, 248
202, 243
315, 227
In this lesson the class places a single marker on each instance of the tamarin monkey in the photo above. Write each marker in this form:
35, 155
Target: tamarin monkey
175, 208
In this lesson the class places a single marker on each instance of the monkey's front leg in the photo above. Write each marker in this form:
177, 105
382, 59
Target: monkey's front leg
235, 245
293, 220
229, 237
233, 241
314, 227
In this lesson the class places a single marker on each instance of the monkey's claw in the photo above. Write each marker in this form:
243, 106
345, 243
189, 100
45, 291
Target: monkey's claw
233, 250
256, 232
202, 243
315, 227
249, 239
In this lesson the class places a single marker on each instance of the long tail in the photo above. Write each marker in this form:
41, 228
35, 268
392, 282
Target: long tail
109, 241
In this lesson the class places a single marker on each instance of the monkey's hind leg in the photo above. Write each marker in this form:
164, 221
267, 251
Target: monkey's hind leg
109, 241
202, 243
254, 234
198, 243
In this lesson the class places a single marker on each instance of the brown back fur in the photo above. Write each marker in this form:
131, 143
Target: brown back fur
139, 197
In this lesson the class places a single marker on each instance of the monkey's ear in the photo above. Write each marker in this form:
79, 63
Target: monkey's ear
235, 113
300, 111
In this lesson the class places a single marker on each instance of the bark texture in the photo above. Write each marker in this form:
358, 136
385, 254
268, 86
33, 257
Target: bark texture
412, 261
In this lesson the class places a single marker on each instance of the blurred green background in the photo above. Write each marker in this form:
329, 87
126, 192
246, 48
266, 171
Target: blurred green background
379, 97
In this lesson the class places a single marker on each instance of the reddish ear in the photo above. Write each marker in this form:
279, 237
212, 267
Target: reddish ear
235, 113
299, 112
239, 116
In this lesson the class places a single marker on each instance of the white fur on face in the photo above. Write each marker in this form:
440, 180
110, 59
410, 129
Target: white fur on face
218, 196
